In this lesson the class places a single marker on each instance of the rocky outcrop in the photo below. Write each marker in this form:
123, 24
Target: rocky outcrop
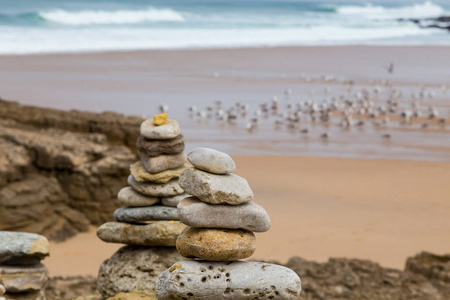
442, 22
352, 279
61, 171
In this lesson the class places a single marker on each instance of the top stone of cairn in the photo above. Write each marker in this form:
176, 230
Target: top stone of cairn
212, 161
166, 131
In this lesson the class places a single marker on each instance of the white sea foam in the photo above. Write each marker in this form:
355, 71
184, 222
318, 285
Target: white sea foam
97, 17
119, 39
424, 10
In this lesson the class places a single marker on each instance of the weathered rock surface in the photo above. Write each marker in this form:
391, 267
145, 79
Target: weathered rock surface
162, 233
354, 279
174, 200
134, 268
129, 197
140, 174
249, 216
215, 189
211, 160
232, 280
25, 296
169, 130
22, 279
21, 248
136, 295
216, 244
142, 214
432, 266
163, 162
72, 287
158, 147
61, 171
171, 188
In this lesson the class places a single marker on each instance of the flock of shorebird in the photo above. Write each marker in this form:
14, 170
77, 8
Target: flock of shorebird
360, 108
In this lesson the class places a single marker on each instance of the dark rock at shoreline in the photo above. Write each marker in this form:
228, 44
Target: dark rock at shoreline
61, 171
442, 22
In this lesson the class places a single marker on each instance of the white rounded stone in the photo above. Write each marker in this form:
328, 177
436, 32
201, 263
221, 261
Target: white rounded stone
169, 130
227, 280
211, 160
174, 200
249, 216
129, 197
215, 189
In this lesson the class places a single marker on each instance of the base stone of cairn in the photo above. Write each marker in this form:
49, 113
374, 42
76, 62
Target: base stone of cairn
221, 219
22, 275
148, 222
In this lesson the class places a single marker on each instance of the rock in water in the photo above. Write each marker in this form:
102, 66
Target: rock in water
142, 214
212, 161
174, 200
216, 244
20, 248
134, 268
169, 130
232, 280
168, 189
215, 189
22, 279
140, 174
129, 197
157, 147
249, 216
162, 233
163, 162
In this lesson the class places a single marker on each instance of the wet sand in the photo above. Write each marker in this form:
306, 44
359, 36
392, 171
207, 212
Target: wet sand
382, 210
137, 82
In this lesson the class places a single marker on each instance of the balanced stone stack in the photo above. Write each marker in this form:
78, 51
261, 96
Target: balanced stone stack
149, 217
22, 275
221, 219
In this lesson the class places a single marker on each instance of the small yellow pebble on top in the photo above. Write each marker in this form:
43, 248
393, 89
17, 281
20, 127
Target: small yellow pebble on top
160, 119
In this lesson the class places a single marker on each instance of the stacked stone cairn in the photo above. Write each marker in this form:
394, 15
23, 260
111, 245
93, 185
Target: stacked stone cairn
148, 222
221, 219
22, 275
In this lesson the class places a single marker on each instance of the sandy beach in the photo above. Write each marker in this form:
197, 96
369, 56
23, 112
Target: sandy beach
382, 210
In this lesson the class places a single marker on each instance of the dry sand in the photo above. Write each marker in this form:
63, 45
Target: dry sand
382, 210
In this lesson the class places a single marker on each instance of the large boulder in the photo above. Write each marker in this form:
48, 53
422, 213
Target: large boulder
134, 268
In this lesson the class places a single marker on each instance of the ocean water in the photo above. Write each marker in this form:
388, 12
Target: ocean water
57, 26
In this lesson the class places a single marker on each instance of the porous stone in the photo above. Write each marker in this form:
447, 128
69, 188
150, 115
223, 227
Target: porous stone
237, 280
169, 130
216, 244
249, 216
163, 162
22, 279
134, 268
140, 173
215, 189
211, 160
160, 119
129, 197
157, 147
174, 200
168, 189
21, 248
142, 214
162, 233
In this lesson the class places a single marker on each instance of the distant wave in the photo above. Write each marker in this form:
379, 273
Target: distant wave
99, 17
424, 10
